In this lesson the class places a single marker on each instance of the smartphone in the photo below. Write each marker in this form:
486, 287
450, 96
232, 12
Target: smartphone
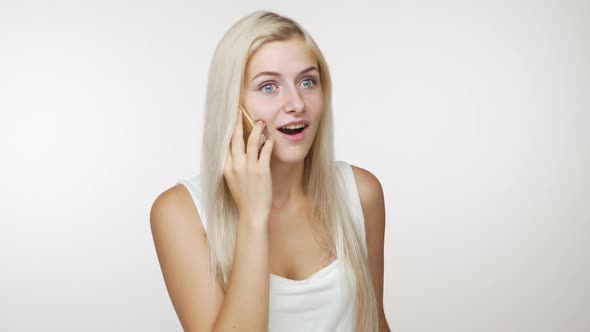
248, 125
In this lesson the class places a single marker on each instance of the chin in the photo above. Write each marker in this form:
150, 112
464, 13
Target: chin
290, 156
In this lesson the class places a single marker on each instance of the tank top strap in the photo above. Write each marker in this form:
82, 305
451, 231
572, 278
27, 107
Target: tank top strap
353, 199
194, 188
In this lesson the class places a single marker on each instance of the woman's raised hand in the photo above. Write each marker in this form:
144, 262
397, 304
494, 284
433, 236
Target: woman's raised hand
248, 174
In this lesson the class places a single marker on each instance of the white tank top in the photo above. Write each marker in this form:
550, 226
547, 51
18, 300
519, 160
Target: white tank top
322, 302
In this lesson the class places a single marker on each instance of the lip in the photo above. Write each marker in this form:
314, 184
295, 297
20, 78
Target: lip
296, 137
294, 123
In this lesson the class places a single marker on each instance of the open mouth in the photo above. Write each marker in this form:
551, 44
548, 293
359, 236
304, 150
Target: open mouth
292, 131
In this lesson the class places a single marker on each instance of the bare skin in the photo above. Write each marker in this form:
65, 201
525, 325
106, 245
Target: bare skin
295, 250
277, 99
280, 225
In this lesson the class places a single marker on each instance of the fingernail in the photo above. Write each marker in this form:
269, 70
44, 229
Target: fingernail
261, 123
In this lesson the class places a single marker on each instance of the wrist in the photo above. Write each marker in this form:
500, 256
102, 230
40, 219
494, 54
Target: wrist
254, 221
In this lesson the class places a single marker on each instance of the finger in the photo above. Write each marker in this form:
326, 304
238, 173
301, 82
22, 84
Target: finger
237, 141
254, 144
265, 153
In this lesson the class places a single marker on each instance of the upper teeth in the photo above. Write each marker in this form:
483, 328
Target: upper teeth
297, 126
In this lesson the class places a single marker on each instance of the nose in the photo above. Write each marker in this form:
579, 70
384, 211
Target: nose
293, 101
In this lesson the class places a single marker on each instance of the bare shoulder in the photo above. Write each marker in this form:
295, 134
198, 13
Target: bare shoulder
373, 204
181, 247
369, 187
175, 207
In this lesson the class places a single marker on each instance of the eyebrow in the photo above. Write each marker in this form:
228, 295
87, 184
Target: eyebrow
272, 73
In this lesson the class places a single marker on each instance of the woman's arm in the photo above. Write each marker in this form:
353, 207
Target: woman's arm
245, 307
181, 245
373, 204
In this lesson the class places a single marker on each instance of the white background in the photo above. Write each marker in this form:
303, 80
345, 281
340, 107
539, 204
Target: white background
474, 116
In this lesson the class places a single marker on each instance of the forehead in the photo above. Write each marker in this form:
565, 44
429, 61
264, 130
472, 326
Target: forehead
286, 56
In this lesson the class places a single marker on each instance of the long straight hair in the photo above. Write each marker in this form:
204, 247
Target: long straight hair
321, 179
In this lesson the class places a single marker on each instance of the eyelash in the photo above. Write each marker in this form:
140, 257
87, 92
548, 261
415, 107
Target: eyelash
313, 79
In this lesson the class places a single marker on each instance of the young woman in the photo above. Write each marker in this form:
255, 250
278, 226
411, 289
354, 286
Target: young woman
280, 237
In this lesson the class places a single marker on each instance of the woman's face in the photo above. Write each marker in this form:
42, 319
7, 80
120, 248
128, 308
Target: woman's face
282, 85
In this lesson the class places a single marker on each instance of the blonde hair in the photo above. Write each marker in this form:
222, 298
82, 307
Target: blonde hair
321, 179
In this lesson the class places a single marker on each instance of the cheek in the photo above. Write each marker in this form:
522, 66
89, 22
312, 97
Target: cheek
260, 108
316, 108
262, 111
315, 100
265, 115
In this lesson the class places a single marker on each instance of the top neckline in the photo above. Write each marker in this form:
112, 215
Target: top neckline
317, 274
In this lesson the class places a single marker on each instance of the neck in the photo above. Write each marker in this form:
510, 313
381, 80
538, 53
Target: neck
287, 183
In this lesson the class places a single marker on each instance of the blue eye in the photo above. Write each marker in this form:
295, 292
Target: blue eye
264, 86
312, 80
